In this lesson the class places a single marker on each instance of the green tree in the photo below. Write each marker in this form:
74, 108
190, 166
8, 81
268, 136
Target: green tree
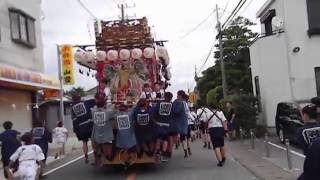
75, 91
246, 111
236, 41
214, 95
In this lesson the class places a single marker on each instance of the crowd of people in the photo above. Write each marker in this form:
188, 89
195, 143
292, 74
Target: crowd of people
25, 155
151, 128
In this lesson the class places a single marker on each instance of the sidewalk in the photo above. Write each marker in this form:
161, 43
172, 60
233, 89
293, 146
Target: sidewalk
257, 164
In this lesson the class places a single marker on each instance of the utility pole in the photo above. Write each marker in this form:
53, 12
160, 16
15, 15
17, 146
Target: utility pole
223, 73
123, 15
122, 12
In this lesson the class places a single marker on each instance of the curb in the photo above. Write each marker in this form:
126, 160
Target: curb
247, 168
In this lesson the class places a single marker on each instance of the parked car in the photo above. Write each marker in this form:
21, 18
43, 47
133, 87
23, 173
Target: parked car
288, 120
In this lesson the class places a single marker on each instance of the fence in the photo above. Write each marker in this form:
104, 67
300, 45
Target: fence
268, 144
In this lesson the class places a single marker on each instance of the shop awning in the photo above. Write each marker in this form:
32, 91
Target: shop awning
17, 78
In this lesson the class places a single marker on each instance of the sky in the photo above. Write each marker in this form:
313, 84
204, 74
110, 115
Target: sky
66, 21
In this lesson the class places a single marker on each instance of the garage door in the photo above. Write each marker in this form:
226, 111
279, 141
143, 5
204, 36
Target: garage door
14, 107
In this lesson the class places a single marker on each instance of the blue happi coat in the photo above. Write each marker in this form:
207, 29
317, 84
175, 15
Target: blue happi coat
126, 137
179, 116
81, 116
144, 126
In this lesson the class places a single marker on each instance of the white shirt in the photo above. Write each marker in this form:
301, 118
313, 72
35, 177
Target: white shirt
60, 134
215, 121
191, 117
28, 152
202, 113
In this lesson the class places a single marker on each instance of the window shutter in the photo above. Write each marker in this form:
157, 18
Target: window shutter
14, 25
23, 28
31, 32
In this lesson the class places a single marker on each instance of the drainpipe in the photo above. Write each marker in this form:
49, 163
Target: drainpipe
289, 62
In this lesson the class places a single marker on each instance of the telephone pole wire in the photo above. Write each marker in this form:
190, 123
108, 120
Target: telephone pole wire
223, 73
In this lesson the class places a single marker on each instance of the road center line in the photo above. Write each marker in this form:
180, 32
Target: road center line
66, 164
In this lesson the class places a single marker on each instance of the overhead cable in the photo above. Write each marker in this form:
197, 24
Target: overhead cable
87, 9
245, 8
197, 26
207, 57
225, 9
232, 13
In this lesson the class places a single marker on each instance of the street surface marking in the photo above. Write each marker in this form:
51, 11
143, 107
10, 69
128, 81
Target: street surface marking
293, 152
66, 164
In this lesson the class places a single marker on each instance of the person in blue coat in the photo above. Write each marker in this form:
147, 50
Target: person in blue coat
180, 117
42, 137
311, 129
144, 128
125, 136
82, 121
162, 116
9, 144
311, 167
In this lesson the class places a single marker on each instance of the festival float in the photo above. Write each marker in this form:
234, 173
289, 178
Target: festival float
125, 57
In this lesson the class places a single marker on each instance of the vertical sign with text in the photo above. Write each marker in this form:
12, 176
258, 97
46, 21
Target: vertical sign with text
67, 64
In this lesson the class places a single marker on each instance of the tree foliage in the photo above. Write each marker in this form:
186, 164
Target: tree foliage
246, 111
214, 95
75, 91
236, 41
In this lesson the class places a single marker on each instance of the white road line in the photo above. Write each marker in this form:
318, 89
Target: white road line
293, 152
66, 164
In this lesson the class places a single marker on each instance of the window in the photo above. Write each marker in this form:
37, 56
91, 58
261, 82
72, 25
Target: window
22, 28
267, 21
317, 72
313, 7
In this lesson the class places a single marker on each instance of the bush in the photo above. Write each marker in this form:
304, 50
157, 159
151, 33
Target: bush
213, 96
246, 111
260, 131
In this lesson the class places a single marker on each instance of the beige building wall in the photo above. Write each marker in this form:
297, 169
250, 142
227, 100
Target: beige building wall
15, 54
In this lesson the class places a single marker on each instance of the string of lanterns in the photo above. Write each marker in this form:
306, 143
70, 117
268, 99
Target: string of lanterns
89, 58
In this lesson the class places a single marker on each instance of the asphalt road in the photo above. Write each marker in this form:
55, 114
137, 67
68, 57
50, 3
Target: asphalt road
201, 165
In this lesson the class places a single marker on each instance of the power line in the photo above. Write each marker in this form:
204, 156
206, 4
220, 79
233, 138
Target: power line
207, 57
87, 9
236, 13
249, 3
197, 26
225, 8
232, 13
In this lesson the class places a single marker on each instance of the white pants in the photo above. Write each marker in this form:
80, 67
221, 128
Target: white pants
27, 170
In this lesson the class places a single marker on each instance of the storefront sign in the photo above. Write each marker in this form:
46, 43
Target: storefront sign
67, 65
51, 93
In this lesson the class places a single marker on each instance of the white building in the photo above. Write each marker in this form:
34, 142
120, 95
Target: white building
285, 60
21, 62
